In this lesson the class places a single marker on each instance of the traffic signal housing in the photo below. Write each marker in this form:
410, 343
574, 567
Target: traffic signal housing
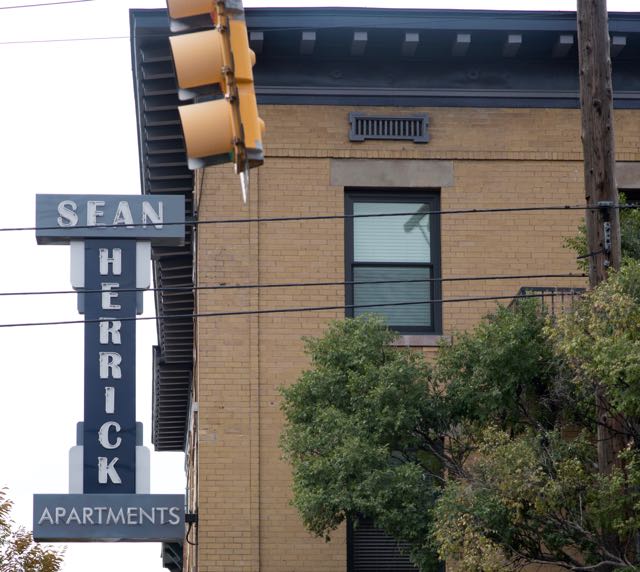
216, 62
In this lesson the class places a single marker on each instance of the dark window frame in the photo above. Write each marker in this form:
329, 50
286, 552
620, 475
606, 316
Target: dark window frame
430, 196
632, 194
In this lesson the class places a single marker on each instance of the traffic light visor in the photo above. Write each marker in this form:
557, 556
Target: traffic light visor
207, 128
198, 59
187, 8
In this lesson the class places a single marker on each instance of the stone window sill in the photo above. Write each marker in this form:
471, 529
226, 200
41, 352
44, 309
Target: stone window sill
421, 341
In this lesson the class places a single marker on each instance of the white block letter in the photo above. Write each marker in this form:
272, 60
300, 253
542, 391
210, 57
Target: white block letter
174, 513
110, 328
109, 399
108, 471
107, 296
123, 214
67, 212
115, 260
103, 435
93, 213
46, 515
110, 361
155, 217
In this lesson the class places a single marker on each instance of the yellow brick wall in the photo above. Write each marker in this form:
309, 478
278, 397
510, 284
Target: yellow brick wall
501, 158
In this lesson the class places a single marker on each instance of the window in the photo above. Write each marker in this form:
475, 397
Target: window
632, 196
393, 259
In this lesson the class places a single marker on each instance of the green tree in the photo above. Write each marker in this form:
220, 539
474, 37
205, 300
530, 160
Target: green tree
18, 551
487, 456
352, 435
629, 236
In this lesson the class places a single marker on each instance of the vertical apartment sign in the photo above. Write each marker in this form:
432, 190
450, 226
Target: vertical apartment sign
110, 238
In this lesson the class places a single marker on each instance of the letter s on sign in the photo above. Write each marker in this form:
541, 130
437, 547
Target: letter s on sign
174, 513
67, 212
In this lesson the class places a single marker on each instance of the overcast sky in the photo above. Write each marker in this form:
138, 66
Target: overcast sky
67, 125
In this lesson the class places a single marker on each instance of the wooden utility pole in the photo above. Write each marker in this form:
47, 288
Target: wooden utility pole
603, 222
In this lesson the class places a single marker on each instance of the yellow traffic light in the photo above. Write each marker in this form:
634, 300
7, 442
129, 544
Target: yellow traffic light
199, 59
208, 132
180, 9
227, 129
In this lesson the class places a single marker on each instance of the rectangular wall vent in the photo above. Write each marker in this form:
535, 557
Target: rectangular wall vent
372, 550
395, 128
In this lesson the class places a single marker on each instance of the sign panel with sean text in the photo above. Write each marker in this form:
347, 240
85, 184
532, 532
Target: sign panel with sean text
158, 218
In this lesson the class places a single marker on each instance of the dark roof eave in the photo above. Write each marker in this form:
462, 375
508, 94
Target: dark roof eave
407, 19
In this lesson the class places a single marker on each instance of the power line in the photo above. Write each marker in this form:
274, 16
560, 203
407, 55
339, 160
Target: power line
169, 318
372, 215
43, 4
294, 284
55, 40
325, 217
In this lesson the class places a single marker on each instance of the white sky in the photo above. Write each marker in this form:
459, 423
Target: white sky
67, 125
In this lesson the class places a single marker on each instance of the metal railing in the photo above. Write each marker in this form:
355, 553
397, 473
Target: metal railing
553, 300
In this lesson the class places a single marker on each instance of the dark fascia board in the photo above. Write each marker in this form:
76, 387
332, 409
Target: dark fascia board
151, 24
416, 19
150, 21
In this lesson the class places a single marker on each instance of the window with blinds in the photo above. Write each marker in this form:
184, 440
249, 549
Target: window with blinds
392, 243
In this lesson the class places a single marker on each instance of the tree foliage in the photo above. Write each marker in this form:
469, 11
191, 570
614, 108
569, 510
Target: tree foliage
487, 455
351, 438
18, 551
629, 236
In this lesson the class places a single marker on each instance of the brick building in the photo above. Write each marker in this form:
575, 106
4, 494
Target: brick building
367, 111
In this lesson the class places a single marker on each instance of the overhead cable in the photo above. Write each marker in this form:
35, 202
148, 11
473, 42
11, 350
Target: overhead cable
169, 318
43, 4
178, 289
57, 40
329, 217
